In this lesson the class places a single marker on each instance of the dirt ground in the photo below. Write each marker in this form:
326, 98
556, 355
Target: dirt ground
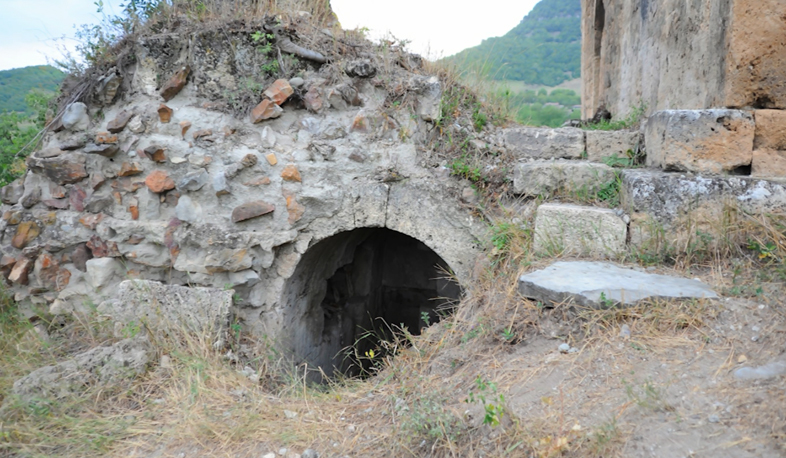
653, 380
667, 389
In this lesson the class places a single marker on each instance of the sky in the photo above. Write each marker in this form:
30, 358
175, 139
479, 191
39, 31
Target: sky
34, 32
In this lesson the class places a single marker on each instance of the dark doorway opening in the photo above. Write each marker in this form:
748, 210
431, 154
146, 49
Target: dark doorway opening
356, 289
600, 23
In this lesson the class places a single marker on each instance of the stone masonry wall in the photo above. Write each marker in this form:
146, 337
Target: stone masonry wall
683, 54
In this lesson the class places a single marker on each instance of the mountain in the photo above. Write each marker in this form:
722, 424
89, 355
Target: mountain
17, 82
544, 49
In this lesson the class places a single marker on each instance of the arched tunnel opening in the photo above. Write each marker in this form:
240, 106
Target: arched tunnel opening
356, 289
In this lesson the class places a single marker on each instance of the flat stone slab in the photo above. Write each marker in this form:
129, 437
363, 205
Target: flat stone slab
583, 282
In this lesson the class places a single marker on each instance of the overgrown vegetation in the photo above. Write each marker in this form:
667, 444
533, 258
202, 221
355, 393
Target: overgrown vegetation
436, 394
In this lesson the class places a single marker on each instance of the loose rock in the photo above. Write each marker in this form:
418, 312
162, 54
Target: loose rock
279, 91
765, 372
265, 110
120, 122
175, 84
361, 68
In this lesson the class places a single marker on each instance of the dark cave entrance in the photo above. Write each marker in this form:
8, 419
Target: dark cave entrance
357, 288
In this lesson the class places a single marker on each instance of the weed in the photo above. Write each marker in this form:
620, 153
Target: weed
472, 333
464, 167
508, 334
426, 318
764, 250
647, 396
609, 192
479, 118
631, 120
631, 159
131, 329
603, 440
424, 416
265, 47
502, 235
493, 407
605, 302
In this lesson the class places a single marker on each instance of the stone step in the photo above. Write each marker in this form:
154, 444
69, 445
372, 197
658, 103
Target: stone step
569, 143
577, 230
668, 196
545, 177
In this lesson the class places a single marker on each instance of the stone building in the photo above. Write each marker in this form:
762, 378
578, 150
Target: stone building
683, 54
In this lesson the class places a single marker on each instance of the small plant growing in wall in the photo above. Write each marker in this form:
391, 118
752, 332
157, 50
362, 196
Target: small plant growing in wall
264, 43
486, 394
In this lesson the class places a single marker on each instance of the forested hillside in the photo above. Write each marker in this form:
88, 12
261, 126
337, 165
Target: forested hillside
15, 84
545, 48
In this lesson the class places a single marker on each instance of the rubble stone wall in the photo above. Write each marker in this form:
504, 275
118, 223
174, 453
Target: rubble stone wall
157, 181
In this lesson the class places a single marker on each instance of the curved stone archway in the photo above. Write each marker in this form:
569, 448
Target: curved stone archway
351, 290
425, 208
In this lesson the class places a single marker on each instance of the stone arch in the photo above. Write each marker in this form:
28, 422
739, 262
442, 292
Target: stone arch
426, 210
423, 218
354, 288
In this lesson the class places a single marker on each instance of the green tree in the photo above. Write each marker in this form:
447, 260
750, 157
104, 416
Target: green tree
17, 132
15, 84
545, 48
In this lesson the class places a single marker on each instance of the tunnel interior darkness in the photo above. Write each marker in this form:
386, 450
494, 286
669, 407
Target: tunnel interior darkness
355, 288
